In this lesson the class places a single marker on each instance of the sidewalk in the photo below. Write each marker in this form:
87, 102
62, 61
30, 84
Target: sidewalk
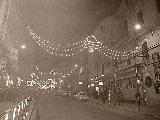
149, 110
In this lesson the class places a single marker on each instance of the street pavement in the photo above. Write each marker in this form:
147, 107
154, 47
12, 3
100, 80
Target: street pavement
61, 108
5, 106
150, 110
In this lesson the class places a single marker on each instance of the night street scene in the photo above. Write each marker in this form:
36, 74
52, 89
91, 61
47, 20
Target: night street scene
79, 59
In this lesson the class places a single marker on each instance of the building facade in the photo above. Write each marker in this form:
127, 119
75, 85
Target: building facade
139, 73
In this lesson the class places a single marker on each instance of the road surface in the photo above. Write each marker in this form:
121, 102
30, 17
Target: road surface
61, 108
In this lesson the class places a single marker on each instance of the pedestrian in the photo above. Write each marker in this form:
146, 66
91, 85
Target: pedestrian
120, 97
103, 97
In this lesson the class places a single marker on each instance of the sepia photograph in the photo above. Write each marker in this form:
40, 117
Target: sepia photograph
79, 59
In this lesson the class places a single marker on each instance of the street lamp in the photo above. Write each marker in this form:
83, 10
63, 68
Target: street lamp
23, 46
138, 26
76, 65
80, 83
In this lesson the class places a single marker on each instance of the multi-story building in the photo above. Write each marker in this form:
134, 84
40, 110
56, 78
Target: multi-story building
12, 36
140, 23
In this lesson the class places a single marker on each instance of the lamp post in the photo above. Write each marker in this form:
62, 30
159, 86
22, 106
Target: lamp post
137, 27
115, 91
138, 96
138, 82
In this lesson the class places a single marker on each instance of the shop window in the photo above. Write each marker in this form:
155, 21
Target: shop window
140, 17
158, 5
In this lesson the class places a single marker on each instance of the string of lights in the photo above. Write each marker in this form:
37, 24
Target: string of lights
8, 78
54, 72
90, 44
42, 84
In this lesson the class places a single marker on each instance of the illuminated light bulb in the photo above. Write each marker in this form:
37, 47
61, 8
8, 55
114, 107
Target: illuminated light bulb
91, 50
76, 65
138, 26
23, 46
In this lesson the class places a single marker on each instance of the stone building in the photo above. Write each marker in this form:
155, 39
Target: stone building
122, 35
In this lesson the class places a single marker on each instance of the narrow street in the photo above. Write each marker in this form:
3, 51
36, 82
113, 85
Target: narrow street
60, 108
54, 54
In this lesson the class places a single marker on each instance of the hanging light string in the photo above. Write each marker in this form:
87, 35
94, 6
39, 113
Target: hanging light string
42, 84
90, 44
96, 77
54, 72
8, 78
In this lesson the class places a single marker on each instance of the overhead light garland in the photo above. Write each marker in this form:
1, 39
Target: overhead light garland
8, 78
54, 72
42, 84
96, 77
10, 81
90, 44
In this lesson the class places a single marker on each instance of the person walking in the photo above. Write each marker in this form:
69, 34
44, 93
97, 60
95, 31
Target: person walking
103, 97
120, 97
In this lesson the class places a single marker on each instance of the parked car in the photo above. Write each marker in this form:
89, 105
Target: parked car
82, 96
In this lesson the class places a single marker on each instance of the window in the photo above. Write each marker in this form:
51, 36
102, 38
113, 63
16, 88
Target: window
140, 17
158, 5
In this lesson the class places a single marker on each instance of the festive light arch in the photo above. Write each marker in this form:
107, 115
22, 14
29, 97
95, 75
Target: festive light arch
90, 44
55, 72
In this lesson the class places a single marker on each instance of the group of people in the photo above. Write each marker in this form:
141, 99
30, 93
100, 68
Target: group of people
118, 96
